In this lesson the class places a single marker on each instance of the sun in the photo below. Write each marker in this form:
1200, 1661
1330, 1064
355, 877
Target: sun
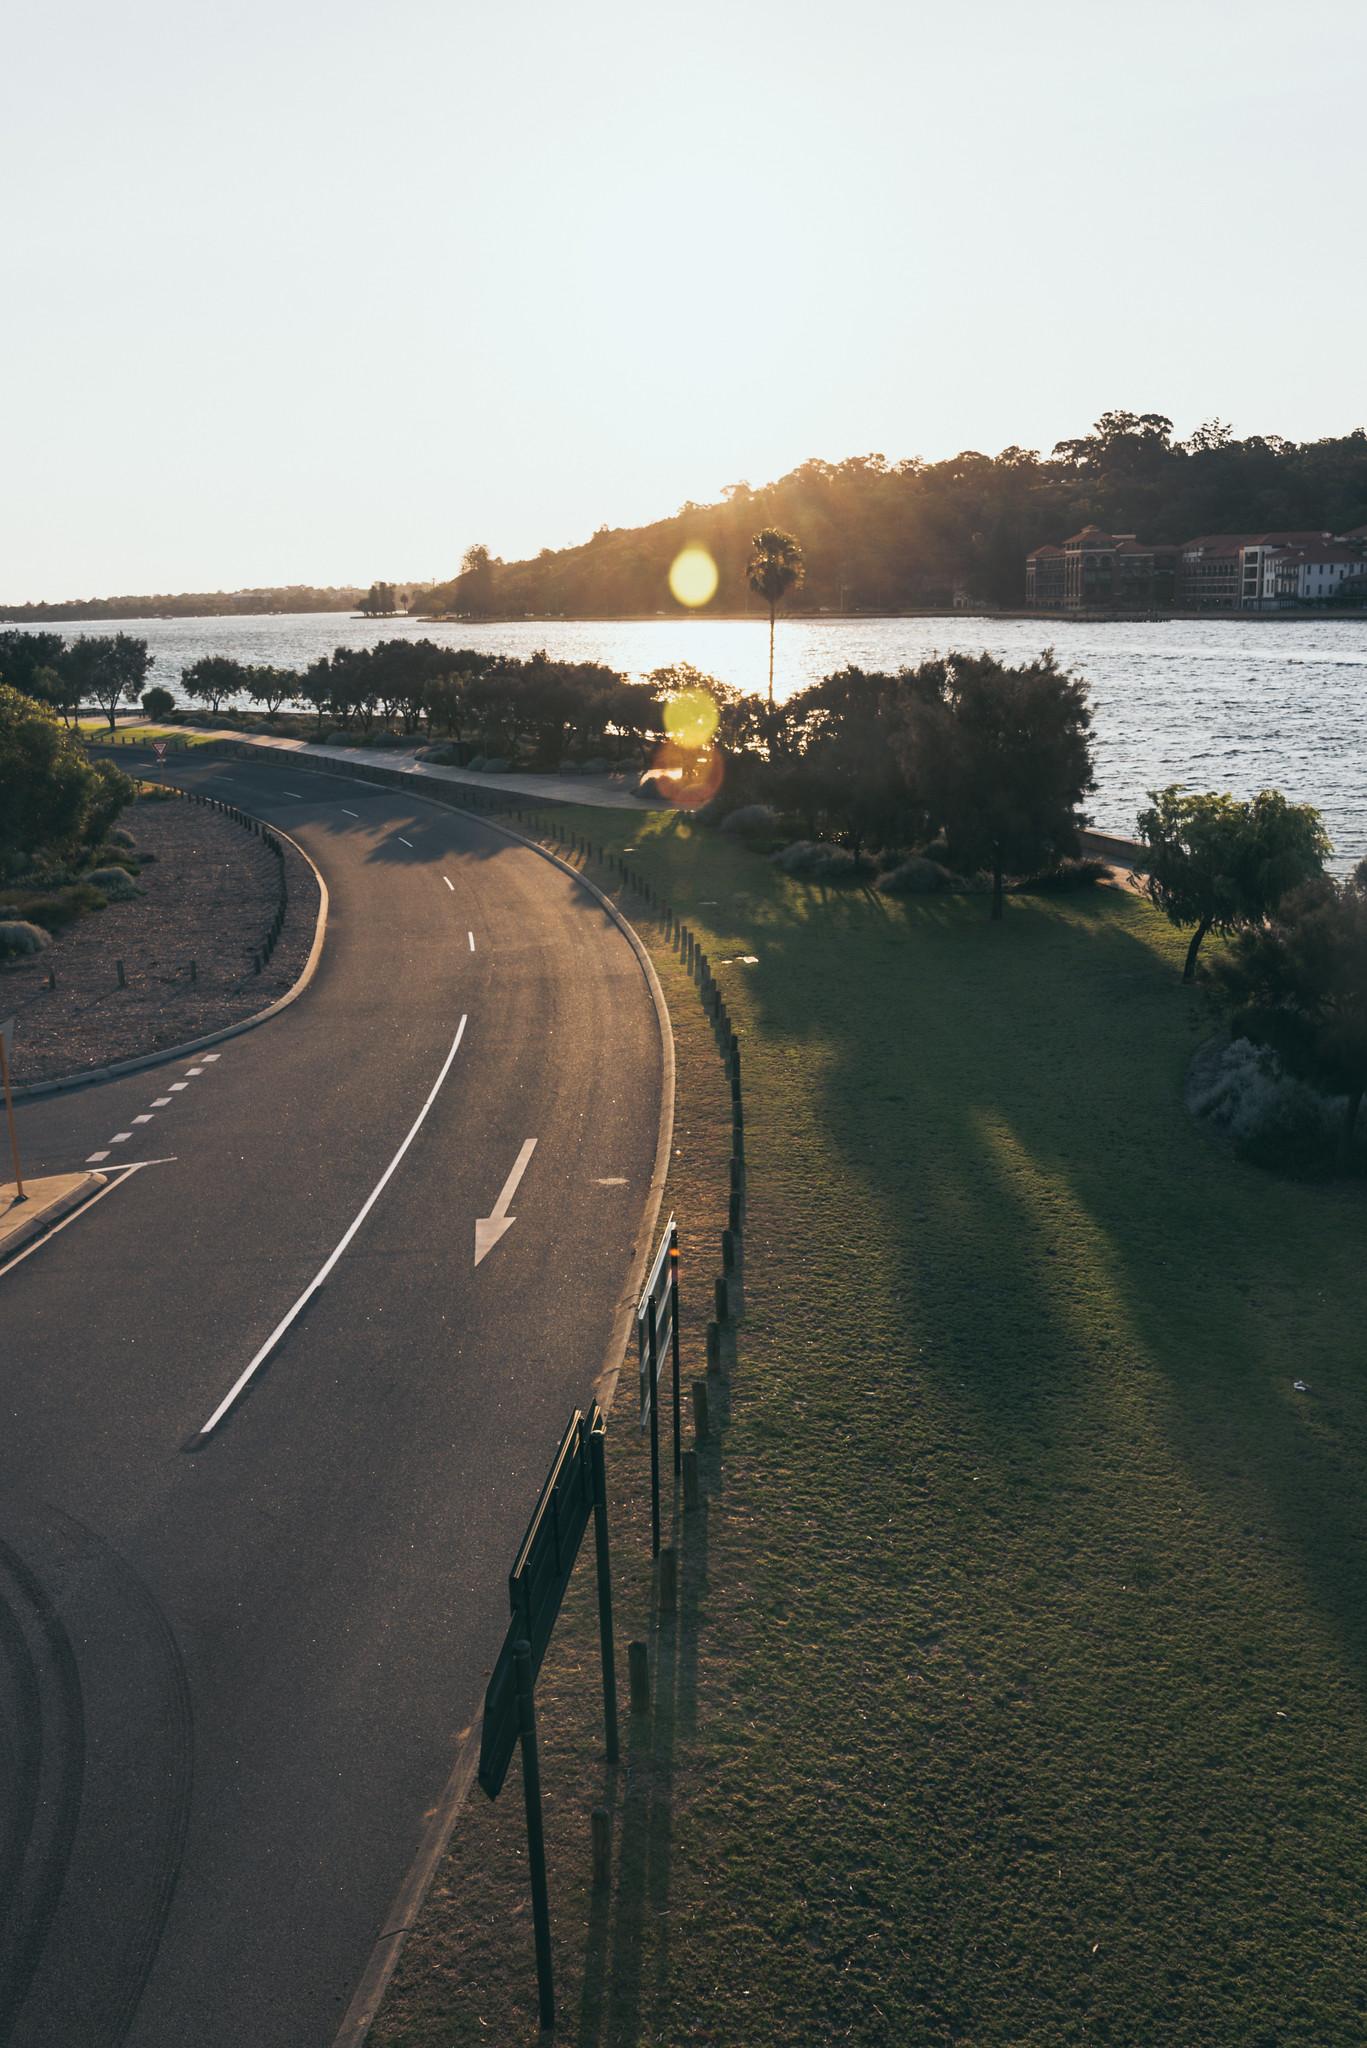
693, 577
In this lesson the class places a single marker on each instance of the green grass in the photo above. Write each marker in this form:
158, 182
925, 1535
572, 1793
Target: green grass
140, 735
1032, 1633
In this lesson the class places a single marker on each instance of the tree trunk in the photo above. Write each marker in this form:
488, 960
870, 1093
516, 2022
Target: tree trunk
1189, 971
1349, 1127
997, 911
772, 609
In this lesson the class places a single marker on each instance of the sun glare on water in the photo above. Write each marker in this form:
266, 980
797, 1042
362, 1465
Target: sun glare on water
693, 577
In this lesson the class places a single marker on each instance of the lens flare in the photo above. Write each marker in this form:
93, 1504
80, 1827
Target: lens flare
691, 719
687, 777
693, 577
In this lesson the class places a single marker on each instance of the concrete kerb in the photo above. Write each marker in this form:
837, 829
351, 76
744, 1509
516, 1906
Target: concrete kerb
41, 1212
384, 1956
64, 1083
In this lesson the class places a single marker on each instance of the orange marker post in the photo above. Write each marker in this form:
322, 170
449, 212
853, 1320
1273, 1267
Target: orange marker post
6, 1034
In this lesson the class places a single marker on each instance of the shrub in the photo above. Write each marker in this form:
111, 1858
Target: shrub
111, 856
118, 837
753, 818
569, 768
19, 938
155, 793
917, 876
494, 764
1273, 1118
158, 703
596, 765
114, 883
1067, 875
55, 908
815, 860
440, 756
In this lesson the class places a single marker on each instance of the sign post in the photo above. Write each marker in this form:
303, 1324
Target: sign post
6, 1041
657, 1323
159, 749
575, 1488
536, 1834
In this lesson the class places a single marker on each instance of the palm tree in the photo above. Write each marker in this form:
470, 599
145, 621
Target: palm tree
775, 569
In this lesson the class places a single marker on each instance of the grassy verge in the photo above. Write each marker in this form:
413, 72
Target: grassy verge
1024, 1647
142, 735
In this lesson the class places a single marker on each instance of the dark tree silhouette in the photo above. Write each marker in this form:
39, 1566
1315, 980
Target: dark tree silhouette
775, 569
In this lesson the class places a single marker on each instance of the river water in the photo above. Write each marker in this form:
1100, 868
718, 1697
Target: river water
1237, 704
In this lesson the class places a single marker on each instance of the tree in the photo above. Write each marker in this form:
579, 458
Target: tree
378, 600
775, 569
841, 765
158, 703
212, 678
1003, 759
1216, 863
476, 579
1298, 984
52, 799
106, 670
271, 687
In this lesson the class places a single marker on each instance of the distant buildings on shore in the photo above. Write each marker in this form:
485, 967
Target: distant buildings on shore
1096, 571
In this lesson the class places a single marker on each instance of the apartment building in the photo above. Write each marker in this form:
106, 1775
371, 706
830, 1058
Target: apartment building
1096, 571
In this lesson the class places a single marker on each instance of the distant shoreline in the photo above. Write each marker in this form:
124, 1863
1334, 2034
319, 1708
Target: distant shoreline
16, 616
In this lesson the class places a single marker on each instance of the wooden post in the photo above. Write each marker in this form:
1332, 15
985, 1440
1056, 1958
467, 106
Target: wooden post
597, 1428
118, 969
669, 1579
690, 1481
701, 1417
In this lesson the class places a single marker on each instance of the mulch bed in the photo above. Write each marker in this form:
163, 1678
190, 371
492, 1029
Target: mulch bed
208, 896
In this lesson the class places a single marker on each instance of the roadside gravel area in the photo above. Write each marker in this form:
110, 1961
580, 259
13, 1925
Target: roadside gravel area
208, 895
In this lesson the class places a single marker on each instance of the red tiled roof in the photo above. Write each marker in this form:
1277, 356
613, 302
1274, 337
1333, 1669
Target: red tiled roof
1047, 549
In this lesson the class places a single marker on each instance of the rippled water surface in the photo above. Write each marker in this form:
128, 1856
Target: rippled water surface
1222, 704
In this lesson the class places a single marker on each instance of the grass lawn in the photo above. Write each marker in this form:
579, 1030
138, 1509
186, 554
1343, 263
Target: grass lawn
1024, 1698
140, 735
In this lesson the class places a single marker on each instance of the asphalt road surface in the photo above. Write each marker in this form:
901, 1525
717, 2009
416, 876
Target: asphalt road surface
235, 1666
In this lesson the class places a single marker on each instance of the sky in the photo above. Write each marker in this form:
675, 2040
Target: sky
299, 292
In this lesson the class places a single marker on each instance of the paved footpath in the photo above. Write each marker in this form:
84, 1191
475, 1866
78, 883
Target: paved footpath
236, 1666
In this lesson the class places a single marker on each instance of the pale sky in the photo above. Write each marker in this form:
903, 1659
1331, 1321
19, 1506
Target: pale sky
324, 292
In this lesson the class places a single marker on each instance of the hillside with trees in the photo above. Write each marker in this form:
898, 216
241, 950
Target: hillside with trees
882, 536
191, 604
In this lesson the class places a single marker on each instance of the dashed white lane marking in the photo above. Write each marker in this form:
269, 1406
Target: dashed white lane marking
449, 883
612, 1180
145, 1118
371, 1199
350, 814
194, 1070
162, 1102
404, 842
95, 1158
472, 942
120, 1137
295, 794
212, 1056
176, 1086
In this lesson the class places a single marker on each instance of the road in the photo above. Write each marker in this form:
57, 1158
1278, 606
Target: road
235, 1668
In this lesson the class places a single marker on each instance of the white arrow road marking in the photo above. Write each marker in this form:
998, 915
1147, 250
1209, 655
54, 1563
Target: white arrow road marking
489, 1229
244, 1378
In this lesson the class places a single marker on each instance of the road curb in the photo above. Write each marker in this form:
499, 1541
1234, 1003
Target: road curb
43, 1219
408, 1902
64, 1083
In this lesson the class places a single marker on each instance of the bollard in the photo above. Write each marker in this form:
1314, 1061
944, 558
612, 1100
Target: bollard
733, 1214
701, 1418
669, 1579
721, 1300
118, 968
638, 1666
690, 1480
730, 1252
714, 1347
600, 1829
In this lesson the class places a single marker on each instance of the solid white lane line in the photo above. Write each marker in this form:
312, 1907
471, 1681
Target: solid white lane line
350, 814
145, 1118
449, 883
95, 1158
372, 1198
472, 942
404, 842
295, 794
162, 1102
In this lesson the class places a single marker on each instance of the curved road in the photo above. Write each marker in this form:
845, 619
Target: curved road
233, 1677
